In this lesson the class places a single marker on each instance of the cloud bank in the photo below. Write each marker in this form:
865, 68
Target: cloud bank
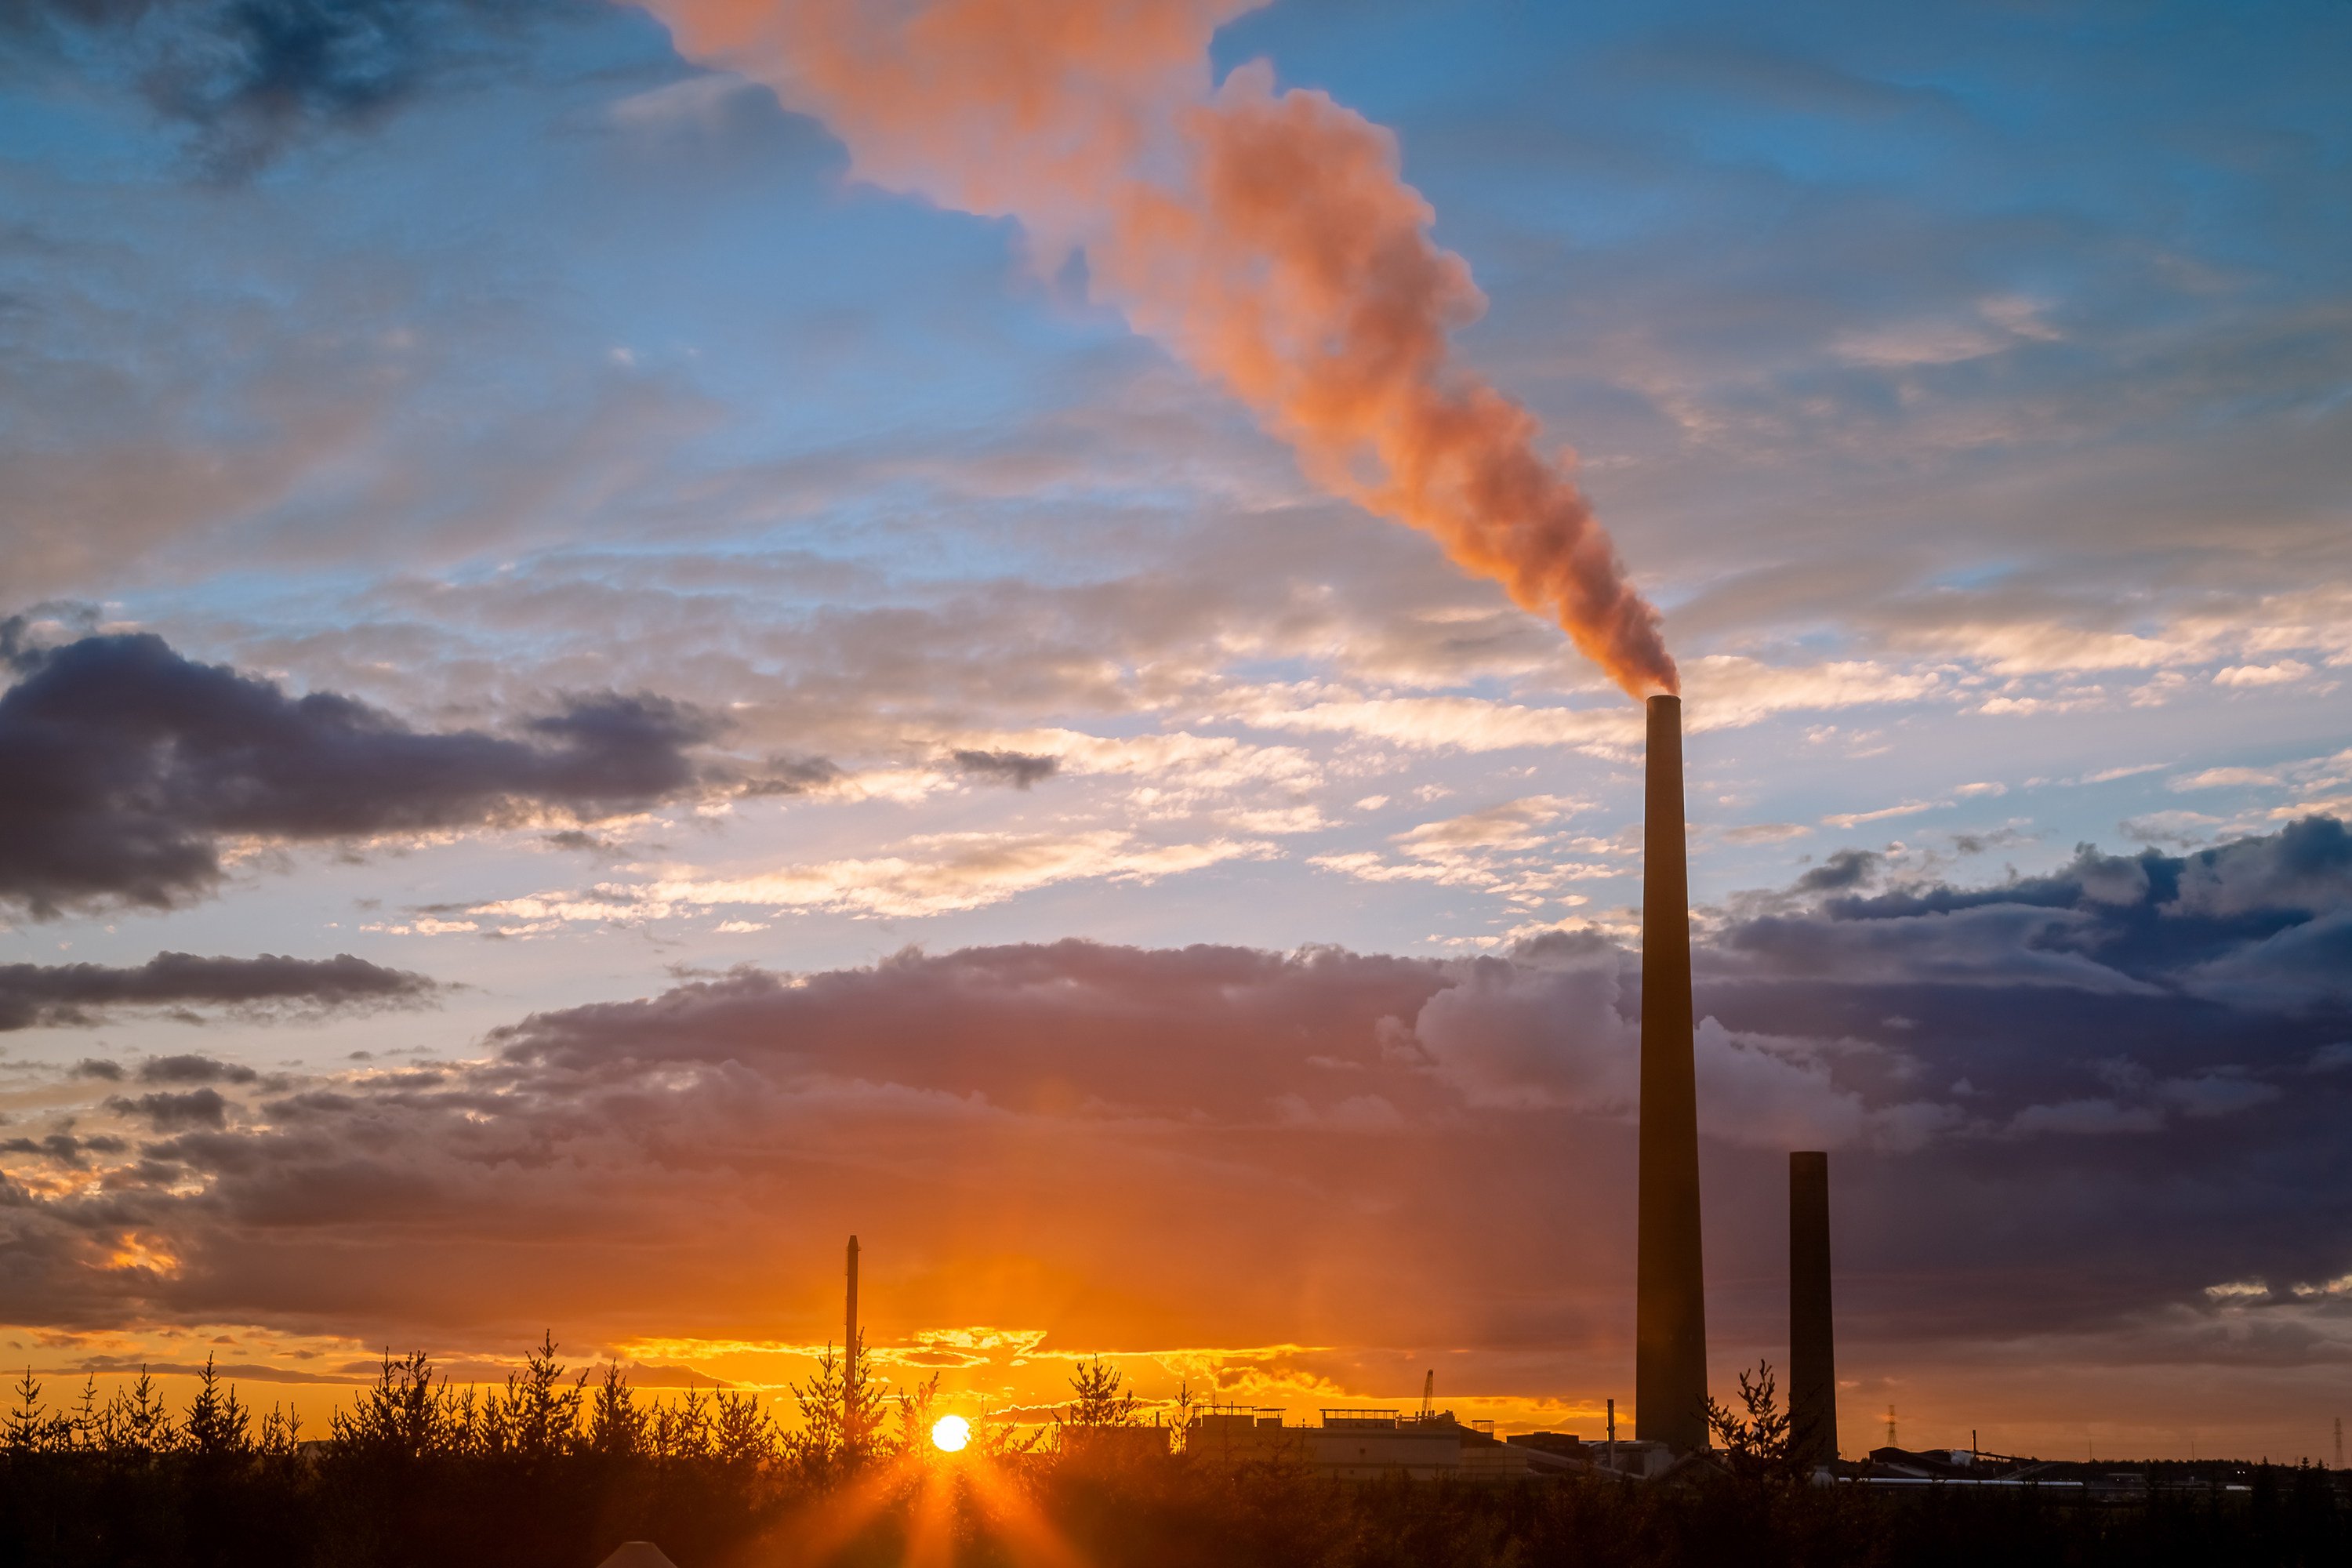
126, 770
1049, 1133
74, 996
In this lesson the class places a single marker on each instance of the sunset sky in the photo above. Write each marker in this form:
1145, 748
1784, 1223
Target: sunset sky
626, 653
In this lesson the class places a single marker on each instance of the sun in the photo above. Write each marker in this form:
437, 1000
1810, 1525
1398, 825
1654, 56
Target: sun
950, 1432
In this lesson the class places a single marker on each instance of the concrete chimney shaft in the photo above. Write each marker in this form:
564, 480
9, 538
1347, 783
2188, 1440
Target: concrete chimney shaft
1812, 1357
1669, 1331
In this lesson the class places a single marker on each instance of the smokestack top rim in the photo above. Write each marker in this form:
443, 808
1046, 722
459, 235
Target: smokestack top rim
1671, 698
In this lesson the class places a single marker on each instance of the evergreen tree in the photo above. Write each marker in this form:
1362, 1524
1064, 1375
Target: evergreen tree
915, 1406
88, 1420
542, 1411
281, 1432
841, 1414
215, 1425
616, 1427
742, 1437
28, 1429
682, 1431
1101, 1398
402, 1414
136, 1422
1755, 1442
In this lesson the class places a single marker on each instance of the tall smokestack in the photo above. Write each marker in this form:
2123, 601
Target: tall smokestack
1812, 1359
1670, 1333
849, 1433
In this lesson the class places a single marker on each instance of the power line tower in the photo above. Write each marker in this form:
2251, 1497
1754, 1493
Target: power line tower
1429, 1391
1890, 1426
2339, 1442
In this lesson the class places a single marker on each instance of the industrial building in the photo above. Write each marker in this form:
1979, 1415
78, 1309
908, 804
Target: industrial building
1362, 1445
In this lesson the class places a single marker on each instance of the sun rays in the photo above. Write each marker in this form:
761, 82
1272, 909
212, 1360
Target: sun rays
931, 1499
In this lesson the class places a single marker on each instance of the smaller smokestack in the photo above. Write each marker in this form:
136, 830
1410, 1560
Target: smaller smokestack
1812, 1360
849, 1434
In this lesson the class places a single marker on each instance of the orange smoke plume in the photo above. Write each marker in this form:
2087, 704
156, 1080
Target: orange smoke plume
1268, 238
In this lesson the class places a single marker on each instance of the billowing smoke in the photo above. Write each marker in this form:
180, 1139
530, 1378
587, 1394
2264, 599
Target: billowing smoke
1267, 237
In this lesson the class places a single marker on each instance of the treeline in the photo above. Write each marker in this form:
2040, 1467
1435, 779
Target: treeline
413, 1412
555, 1467
551, 1467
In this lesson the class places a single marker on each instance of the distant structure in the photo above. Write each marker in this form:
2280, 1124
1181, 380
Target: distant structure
1113, 1445
1670, 1307
1363, 1445
849, 1433
1812, 1356
638, 1554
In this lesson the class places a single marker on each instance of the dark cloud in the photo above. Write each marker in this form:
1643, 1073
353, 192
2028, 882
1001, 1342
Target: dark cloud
73, 994
123, 764
250, 78
97, 1067
2272, 906
194, 1069
791, 775
167, 1113
1845, 868
1018, 769
574, 838
65, 1148
2121, 1026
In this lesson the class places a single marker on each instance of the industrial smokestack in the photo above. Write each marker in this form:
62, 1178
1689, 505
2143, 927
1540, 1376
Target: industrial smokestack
1670, 1331
1812, 1360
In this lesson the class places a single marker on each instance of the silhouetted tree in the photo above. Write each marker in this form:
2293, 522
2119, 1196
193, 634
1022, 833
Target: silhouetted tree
915, 1406
1754, 1441
541, 1411
1181, 1419
742, 1435
30, 1429
87, 1416
135, 1423
281, 1432
215, 1425
681, 1430
616, 1426
840, 1410
402, 1416
1099, 1399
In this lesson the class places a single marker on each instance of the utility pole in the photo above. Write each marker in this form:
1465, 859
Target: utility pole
2339, 1442
1612, 1436
849, 1432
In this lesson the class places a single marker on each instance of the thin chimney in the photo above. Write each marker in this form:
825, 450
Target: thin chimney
1670, 1335
1812, 1359
849, 1433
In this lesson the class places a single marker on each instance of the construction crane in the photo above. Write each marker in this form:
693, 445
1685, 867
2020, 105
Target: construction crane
1428, 1392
